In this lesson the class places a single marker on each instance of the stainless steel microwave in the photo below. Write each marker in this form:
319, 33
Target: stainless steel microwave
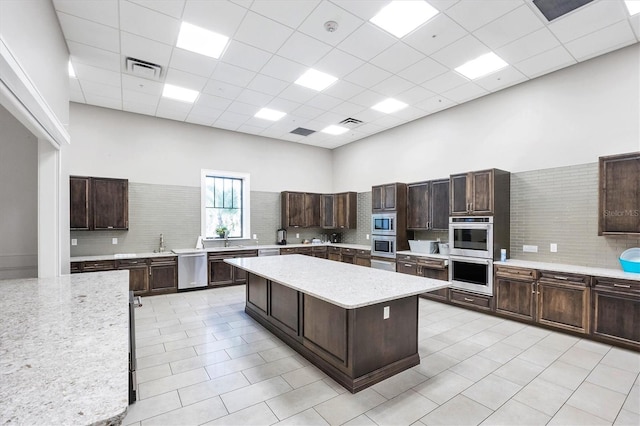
383, 224
383, 246
471, 236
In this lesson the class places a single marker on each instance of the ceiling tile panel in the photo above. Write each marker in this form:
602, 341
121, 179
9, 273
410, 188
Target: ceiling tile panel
422, 71
589, 18
343, 89
99, 89
327, 11
414, 95
173, 8
218, 16
185, 79
132, 96
150, 87
214, 102
226, 125
269, 85
193, 63
338, 63
234, 117
254, 98
198, 109
102, 12
465, 93
634, 21
148, 23
439, 32
303, 49
442, 5
298, 94
283, 105
245, 56
324, 102
173, 110
134, 46
244, 108
102, 101
597, 43
222, 89
367, 98
474, 14
392, 86
505, 77
528, 46
233, 75
287, 12
367, 42
509, 27
90, 33
261, 32
435, 104
307, 111
203, 120
348, 109
364, 9
546, 62
368, 75
97, 75
283, 69
139, 108
461, 51
396, 58
444, 82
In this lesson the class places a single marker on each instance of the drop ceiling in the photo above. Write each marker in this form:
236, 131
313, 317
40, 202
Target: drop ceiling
273, 42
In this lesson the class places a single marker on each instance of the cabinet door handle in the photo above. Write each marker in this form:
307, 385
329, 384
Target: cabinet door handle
560, 278
621, 285
466, 299
408, 265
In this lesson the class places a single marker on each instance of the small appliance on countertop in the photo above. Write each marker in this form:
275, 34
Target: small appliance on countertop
281, 238
336, 237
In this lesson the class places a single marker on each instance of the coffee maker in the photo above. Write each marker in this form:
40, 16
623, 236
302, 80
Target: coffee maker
336, 237
281, 238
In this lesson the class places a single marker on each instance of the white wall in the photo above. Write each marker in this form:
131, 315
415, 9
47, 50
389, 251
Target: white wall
569, 117
145, 149
19, 195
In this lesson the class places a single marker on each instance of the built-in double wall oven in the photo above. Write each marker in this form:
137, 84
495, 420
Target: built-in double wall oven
471, 253
383, 241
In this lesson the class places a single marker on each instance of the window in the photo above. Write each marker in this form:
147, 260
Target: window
225, 204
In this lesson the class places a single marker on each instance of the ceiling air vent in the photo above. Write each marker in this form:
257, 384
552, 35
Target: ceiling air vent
350, 122
553, 9
302, 131
143, 69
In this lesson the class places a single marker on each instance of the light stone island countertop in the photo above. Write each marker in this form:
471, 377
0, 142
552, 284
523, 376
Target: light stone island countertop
571, 269
342, 284
64, 345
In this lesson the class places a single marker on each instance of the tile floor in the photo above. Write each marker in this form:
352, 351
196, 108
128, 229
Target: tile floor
202, 360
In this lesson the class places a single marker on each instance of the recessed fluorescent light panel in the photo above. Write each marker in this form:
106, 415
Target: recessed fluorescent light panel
199, 40
179, 93
72, 72
316, 80
633, 6
270, 114
335, 130
481, 66
401, 17
389, 105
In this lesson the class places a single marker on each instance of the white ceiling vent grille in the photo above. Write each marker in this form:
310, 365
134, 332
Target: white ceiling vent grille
143, 69
350, 122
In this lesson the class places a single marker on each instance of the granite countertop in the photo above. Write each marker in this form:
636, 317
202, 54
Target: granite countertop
342, 284
120, 256
571, 269
64, 349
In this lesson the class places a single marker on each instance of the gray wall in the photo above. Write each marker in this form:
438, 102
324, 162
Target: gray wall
19, 195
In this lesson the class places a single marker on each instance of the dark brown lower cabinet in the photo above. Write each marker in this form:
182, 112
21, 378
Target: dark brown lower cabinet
616, 311
363, 258
221, 273
563, 301
472, 300
163, 275
515, 292
334, 254
138, 275
319, 251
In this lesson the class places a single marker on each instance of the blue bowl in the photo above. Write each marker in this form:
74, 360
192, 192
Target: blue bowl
630, 266
630, 260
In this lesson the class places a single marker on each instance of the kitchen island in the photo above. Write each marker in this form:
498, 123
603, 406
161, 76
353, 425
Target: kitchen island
359, 325
64, 345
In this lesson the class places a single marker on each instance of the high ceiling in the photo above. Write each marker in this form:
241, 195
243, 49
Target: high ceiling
273, 42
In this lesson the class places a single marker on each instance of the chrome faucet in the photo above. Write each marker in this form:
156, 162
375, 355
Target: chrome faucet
226, 239
161, 249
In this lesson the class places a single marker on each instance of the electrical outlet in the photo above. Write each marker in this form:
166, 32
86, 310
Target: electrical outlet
385, 313
553, 248
297, 235
255, 236
530, 249
114, 241
367, 236
74, 242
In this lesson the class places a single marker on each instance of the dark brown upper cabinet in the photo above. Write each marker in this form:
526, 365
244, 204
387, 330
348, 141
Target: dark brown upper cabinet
346, 210
327, 207
619, 195
479, 193
387, 197
310, 210
98, 203
428, 205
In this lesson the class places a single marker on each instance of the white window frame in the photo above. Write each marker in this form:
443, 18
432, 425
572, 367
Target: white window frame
246, 202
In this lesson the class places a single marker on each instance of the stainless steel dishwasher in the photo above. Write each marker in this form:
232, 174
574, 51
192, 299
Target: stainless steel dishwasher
269, 252
192, 270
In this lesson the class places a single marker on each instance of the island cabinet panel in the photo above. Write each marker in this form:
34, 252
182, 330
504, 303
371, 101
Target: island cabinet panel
325, 329
616, 311
257, 292
284, 306
221, 273
619, 195
563, 301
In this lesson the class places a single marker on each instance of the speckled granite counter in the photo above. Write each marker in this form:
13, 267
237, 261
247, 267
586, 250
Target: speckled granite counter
64, 346
571, 269
341, 284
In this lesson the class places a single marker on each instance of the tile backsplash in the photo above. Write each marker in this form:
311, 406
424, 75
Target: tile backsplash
558, 205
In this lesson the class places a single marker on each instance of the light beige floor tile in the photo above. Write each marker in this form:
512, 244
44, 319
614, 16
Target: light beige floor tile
176, 381
348, 406
150, 341
146, 333
590, 345
276, 353
307, 418
519, 371
443, 387
210, 329
622, 358
258, 335
210, 388
155, 325
153, 373
559, 341
152, 407
522, 339
612, 378
195, 414
429, 346
580, 357
543, 396
149, 350
253, 347
540, 355
501, 352
256, 415
236, 332
303, 376
627, 418
596, 400
434, 364
455, 335
563, 374
399, 383
301, 399
404, 409
632, 402
238, 364
198, 361
492, 391
245, 397
182, 327
219, 345
362, 420
458, 411
507, 327
271, 369
514, 413
190, 341
165, 357
337, 387
475, 367
486, 338
571, 416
